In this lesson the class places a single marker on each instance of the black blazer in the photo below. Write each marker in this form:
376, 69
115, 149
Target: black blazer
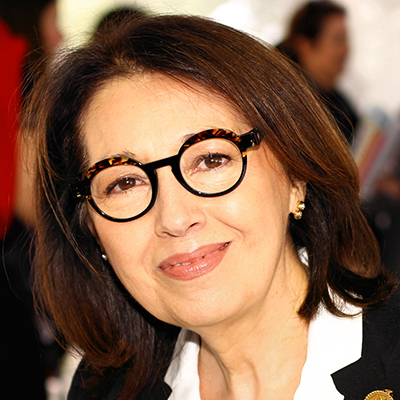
379, 365
377, 369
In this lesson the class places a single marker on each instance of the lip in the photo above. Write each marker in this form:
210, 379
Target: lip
187, 266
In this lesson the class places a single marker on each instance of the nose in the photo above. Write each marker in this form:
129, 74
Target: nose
178, 211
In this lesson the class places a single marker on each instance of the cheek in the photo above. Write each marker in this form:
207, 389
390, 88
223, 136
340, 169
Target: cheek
123, 243
261, 205
129, 255
270, 193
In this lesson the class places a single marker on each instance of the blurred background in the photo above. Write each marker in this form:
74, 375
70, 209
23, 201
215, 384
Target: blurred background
368, 39
371, 78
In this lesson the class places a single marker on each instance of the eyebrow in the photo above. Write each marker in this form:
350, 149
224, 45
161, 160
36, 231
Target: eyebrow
125, 153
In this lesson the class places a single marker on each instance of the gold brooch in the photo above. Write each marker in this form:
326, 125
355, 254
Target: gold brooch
380, 395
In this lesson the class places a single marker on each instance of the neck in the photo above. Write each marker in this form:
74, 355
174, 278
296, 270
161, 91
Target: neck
262, 355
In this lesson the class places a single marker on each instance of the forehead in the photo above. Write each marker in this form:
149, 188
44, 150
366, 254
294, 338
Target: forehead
151, 116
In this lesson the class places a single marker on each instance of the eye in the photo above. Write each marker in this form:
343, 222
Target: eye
123, 184
126, 183
212, 161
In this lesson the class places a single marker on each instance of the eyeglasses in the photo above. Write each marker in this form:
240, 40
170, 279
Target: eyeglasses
209, 164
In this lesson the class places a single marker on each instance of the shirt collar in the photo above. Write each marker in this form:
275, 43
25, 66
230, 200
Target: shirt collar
183, 375
333, 343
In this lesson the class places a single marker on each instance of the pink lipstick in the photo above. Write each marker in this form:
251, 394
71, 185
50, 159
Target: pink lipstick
187, 266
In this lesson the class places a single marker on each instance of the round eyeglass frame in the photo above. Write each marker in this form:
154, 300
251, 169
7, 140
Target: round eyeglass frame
81, 190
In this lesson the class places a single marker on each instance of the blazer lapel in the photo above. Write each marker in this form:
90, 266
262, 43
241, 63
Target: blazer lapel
159, 391
379, 365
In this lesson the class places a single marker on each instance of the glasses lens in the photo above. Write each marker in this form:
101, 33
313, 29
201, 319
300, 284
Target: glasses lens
121, 191
212, 166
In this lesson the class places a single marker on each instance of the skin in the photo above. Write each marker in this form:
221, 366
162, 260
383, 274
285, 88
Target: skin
245, 309
50, 37
48, 28
324, 57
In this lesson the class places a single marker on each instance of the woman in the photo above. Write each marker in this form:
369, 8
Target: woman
183, 166
317, 40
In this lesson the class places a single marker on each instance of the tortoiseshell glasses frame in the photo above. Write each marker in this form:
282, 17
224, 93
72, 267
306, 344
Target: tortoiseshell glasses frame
82, 190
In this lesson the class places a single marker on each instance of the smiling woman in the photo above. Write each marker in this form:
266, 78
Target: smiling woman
183, 167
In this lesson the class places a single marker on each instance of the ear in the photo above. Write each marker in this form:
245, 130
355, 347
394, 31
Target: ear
298, 193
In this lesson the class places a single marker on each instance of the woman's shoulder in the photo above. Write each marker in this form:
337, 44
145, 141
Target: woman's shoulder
381, 330
79, 389
379, 365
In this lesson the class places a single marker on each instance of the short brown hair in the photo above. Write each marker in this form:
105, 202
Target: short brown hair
80, 290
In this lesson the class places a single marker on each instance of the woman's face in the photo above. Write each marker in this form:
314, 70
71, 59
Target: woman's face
191, 261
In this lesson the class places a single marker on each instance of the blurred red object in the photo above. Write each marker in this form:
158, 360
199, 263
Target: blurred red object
13, 50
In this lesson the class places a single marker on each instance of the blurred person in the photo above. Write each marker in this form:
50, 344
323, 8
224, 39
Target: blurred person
200, 229
23, 372
27, 32
36, 20
317, 40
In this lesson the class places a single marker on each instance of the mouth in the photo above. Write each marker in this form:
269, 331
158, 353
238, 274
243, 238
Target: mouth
187, 266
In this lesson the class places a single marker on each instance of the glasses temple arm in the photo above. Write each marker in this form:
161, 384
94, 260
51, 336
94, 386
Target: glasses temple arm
249, 140
80, 190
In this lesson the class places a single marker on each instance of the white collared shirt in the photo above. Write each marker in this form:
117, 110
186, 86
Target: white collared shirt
333, 343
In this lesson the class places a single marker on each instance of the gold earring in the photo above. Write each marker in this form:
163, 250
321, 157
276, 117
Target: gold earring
104, 256
299, 210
